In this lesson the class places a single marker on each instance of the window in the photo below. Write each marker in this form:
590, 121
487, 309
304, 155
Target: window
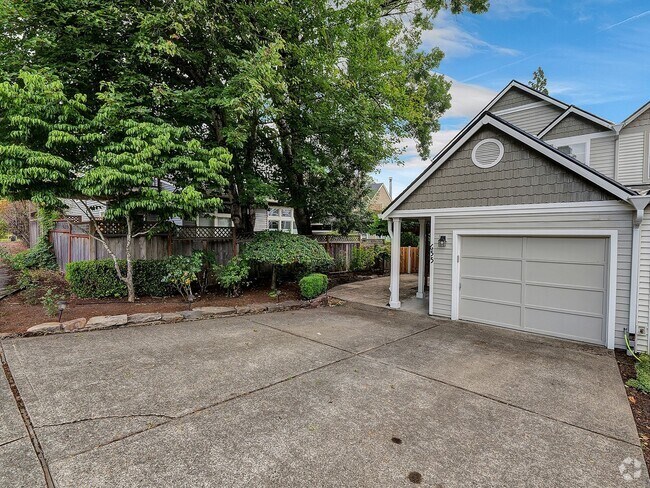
286, 212
281, 218
577, 150
224, 222
286, 225
274, 212
274, 225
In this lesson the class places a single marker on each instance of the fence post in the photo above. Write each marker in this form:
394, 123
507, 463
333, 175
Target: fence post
234, 241
169, 243
92, 245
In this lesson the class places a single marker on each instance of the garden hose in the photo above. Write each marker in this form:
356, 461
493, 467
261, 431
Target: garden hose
629, 348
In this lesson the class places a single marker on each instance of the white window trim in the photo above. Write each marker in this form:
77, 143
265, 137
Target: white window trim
280, 218
567, 141
612, 235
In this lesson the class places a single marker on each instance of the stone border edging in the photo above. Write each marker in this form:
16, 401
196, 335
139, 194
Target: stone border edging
144, 318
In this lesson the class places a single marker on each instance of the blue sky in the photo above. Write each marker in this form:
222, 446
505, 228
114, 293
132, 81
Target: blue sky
595, 53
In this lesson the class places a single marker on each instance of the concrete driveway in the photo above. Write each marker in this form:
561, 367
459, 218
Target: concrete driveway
345, 396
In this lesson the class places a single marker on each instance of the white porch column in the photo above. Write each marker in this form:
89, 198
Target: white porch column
422, 244
431, 261
394, 263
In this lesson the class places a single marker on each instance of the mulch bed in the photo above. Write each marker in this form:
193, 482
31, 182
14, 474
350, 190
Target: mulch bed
639, 401
17, 316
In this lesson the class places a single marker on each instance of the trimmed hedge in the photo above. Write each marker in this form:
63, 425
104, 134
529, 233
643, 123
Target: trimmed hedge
313, 285
98, 279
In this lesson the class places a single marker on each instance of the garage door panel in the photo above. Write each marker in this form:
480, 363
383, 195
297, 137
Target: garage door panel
563, 279
493, 247
580, 301
572, 274
582, 250
576, 327
491, 290
494, 268
490, 312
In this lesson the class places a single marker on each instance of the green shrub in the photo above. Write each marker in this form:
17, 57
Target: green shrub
282, 250
313, 285
183, 272
37, 283
98, 279
363, 258
233, 275
50, 301
642, 380
41, 256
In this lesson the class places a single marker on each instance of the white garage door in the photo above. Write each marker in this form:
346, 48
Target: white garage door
549, 285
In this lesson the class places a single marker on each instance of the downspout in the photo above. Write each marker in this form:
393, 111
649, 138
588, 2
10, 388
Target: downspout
639, 203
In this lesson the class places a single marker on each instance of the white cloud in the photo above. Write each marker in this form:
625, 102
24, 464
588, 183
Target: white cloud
454, 41
467, 99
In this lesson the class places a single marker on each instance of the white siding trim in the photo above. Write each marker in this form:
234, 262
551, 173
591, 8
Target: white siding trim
575, 207
612, 235
580, 112
432, 260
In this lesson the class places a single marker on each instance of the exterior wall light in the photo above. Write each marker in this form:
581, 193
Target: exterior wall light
442, 242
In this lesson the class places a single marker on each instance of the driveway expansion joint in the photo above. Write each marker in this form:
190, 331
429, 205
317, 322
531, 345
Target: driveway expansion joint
38, 449
106, 417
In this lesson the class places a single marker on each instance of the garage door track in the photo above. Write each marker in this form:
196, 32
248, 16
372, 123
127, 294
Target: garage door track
345, 396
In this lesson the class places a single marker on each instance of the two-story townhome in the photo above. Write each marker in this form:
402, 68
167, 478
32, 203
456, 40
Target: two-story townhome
535, 214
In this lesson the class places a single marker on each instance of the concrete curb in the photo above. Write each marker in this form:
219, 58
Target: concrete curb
140, 319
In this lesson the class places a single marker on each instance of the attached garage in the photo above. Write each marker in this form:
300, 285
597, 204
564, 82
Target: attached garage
522, 236
552, 285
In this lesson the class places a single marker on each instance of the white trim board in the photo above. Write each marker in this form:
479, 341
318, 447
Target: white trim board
639, 111
577, 111
535, 144
612, 235
571, 207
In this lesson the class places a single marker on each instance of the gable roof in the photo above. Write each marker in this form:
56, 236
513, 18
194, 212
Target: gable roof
580, 112
609, 185
636, 114
374, 186
525, 88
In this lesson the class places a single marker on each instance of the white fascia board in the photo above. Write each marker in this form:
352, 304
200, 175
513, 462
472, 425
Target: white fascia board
575, 110
569, 207
530, 91
530, 141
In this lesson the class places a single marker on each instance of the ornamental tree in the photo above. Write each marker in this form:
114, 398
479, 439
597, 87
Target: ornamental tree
53, 146
280, 249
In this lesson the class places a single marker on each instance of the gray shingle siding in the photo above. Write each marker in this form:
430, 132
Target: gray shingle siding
573, 125
642, 121
522, 177
514, 98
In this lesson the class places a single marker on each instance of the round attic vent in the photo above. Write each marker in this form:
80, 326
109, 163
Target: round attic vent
487, 153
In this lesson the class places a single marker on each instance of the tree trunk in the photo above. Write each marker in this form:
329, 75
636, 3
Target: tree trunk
303, 221
129, 261
273, 278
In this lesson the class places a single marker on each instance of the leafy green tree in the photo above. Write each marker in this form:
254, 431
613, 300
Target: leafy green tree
53, 146
539, 81
308, 96
280, 249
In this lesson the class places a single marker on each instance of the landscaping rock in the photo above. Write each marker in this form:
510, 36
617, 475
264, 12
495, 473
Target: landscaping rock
74, 324
319, 301
171, 317
192, 314
216, 310
45, 327
242, 310
143, 318
102, 321
258, 307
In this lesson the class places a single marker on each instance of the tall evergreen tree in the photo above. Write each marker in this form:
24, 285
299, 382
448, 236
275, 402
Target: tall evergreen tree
539, 81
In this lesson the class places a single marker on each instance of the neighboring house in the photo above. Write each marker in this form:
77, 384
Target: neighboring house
535, 215
379, 197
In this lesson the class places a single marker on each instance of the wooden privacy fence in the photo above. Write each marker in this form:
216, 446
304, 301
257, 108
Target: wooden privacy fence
74, 242
409, 260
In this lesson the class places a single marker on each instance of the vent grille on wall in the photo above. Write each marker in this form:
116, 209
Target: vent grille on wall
487, 153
